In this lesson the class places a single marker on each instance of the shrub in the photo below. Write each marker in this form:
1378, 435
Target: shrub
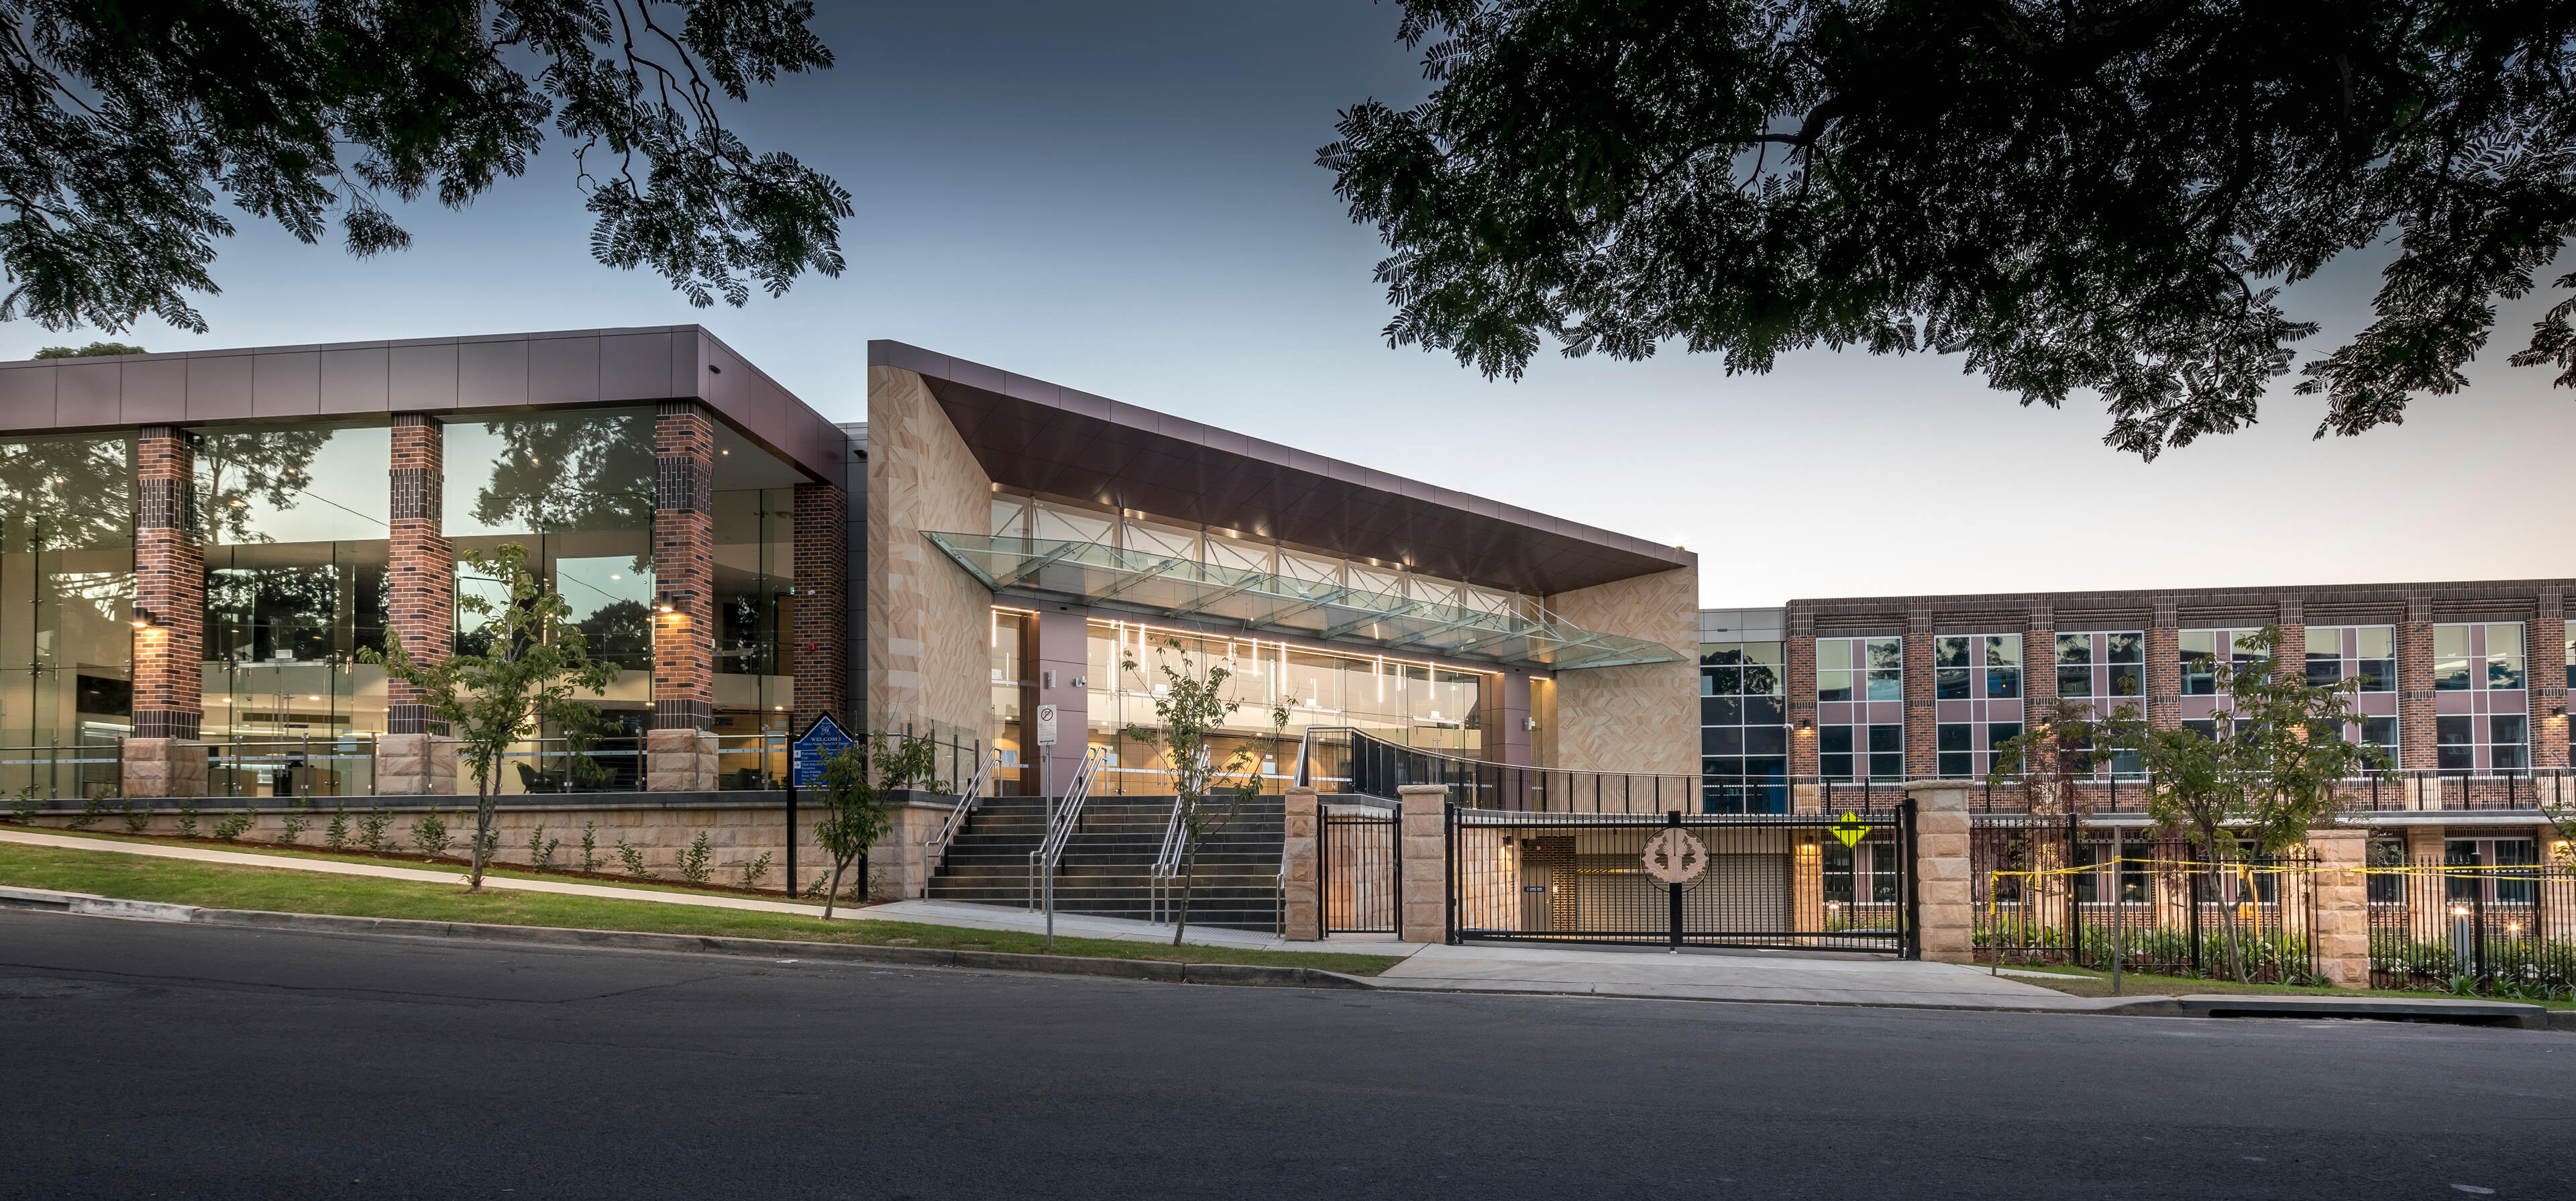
633, 857
755, 871
590, 846
541, 849
23, 806
696, 863
336, 835
429, 833
188, 818
95, 809
371, 830
138, 817
292, 824
234, 825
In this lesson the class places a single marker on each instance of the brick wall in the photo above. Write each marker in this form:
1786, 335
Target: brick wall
2415, 689
1922, 745
2164, 670
420, 563
2546, 645
820, 629
1802, 702
169, 589
684, 442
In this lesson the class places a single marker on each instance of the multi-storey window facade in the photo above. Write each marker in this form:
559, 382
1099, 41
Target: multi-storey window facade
2368, 654
1860, 708
2107, 665
2482, 724
1744, 730
1976, 690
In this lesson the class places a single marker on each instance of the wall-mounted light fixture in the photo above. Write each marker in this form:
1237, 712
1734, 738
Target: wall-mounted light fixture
144, 619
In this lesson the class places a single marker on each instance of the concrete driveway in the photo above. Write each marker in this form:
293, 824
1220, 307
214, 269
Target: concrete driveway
1715, 974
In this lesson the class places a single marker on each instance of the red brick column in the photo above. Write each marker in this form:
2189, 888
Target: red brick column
821, 630
422, 564
679, 752
2038, 682
2415, 688
2164, 668
162, 759
1922, 740
169, 590
2546, 645
1801, 694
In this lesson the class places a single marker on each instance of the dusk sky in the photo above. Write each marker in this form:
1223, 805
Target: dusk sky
1122, 198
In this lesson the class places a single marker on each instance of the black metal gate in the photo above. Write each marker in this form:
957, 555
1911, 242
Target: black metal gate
1809, 881
1358, 874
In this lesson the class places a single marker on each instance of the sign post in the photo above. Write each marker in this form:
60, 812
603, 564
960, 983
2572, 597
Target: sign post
1046, 785
806, 756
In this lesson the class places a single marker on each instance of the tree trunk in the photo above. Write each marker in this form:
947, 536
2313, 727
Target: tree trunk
484, 814
833, 893
1189, 876
2227, 921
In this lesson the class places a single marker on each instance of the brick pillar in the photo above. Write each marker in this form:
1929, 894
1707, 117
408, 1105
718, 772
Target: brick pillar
1425, 852
1943, 907
2293, 651
2164, 668
1922, 742
2038, 696
2341, 936
2547, 635
821, 627
420, 608
1805, 794
164, 758
680, 752
2415, 687
1305, 916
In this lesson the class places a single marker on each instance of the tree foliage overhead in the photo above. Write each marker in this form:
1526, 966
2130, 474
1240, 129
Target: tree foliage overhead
2100, 195
126, 125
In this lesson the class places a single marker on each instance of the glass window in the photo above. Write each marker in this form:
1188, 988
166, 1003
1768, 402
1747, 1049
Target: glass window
2199, 649
2507, 736
2455, 742
2075, 665
66, 595
1950, 656
2504, 655
2325, 656
2003, 665
2376, 657
1887, 752
1957, 749
1886, 669
1833, 669
2451, 658
1744, 728
2126, 656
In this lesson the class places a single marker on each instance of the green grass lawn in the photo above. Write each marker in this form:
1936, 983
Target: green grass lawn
221, 886
2085, 982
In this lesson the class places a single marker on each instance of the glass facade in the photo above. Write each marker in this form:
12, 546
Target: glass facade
66, 597
1400, 700
294, 522
2482, 724
1860, 708
577, 490
1976, 695
755, 544
1744, 727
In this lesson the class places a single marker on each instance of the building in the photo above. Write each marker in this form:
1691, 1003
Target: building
2460, 683
196, 547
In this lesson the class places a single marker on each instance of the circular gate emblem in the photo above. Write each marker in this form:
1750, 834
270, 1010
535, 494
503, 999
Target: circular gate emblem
1674, 857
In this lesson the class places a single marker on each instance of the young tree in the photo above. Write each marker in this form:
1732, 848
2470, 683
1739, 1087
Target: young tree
508, 688
856, 787
2268, 774
2060, 746
2097, 197
1190, 705
129, 131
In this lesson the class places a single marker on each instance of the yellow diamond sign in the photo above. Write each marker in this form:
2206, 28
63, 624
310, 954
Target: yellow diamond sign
1851, 829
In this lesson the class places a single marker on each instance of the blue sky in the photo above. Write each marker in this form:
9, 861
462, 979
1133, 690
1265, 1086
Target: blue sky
1120, 197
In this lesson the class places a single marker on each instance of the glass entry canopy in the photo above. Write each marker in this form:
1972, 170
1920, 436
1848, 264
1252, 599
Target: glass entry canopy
1173, 586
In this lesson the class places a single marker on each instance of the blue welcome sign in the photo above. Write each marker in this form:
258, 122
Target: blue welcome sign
815, 747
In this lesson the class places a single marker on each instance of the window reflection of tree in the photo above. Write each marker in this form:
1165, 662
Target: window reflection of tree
267, 609
570, 473
622, 632
272, 467
70, 494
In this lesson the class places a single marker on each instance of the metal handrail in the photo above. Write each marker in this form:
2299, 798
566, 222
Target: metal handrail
1068, 814
1167, 861
934, 849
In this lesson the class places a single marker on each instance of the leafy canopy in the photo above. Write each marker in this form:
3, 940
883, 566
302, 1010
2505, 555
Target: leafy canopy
124, 127
858, 797
2101, 195
92, 350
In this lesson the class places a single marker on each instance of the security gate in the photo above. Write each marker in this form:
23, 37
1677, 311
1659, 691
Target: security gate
1362, 886
1810, 881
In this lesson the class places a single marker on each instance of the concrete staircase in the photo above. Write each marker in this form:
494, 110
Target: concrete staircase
1108, 858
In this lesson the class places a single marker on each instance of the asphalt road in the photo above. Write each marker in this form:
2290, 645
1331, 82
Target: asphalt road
146, 1060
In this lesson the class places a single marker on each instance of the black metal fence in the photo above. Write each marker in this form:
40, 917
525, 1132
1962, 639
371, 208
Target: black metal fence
2047, 889
1358, 872
1803, 881
2505, 930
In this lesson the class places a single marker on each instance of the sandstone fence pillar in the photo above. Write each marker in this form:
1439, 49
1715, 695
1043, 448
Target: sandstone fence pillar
1424, 834
1943, 909
2340, 934
1304, 920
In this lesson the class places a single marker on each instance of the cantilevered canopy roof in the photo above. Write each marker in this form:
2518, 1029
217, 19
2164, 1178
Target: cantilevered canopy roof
1033, 435
1110, 577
